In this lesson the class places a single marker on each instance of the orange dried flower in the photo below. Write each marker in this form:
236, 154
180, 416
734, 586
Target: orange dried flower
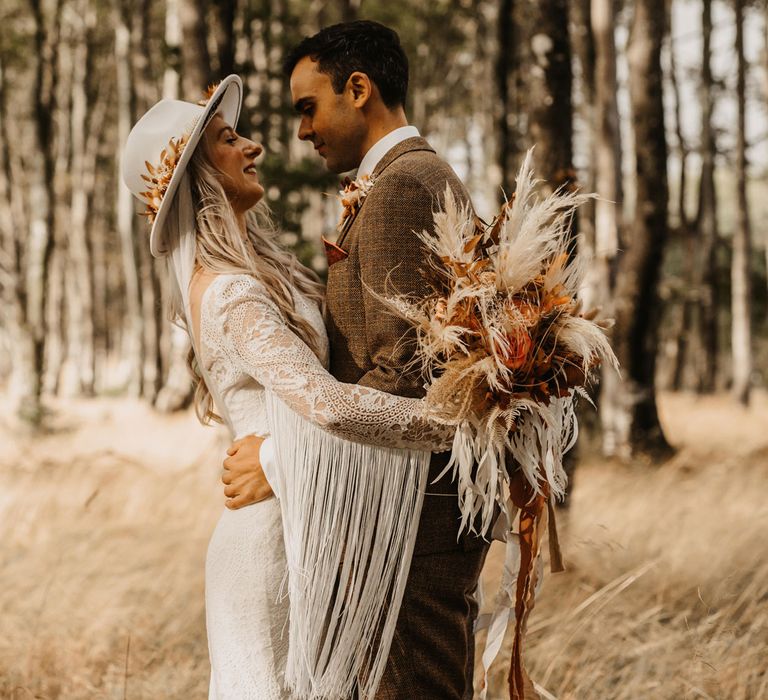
159, 176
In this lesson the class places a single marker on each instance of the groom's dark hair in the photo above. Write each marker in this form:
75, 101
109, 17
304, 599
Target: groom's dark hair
365, 46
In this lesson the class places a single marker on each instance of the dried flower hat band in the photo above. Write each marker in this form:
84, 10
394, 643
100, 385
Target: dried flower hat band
161, 144
159, 176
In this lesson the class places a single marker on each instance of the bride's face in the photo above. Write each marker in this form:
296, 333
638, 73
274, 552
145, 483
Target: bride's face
234, 157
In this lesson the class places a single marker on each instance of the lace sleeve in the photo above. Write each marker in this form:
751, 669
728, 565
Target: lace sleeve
260, 343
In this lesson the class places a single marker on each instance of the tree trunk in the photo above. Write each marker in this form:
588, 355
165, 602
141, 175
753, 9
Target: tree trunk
683, 151
13, 224
59, 278
638, 303
42, 202
706, 218
506, 117
195, 61
226, 36
80, 268
177, 389
741, 330
172, 75
132, 346
686, 357
765, 95
608, 180
549, 93
609, 208
94, 233
584, 49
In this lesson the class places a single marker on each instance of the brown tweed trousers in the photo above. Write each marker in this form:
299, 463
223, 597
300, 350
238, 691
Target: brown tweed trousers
432, 654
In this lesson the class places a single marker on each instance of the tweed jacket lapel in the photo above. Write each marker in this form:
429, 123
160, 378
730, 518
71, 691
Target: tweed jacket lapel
415, 143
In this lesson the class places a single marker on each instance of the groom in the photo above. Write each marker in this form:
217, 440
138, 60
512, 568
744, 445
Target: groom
348, 84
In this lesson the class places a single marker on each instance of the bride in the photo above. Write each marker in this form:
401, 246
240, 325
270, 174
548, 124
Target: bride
346, 515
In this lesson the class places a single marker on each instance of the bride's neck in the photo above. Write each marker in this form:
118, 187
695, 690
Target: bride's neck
241, 223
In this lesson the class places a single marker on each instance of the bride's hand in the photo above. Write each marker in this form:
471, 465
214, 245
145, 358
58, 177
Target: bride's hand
243, 477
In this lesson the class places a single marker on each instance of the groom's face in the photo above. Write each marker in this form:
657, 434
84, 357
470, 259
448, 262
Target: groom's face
332, 122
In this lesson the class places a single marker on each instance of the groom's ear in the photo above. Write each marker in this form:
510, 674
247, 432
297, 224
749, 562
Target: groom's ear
360, 88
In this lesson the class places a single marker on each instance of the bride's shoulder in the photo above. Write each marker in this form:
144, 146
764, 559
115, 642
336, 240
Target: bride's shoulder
233, 287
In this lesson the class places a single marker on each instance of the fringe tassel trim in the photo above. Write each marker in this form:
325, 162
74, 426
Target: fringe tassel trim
350, 517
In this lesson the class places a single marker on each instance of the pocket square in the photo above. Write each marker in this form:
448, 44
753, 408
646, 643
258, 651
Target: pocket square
333, 252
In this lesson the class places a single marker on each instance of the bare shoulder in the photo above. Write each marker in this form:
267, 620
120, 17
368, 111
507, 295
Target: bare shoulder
201, 280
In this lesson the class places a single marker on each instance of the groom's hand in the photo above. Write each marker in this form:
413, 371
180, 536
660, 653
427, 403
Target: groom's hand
243, 477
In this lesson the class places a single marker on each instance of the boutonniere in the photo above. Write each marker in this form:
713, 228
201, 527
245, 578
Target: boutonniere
351, 195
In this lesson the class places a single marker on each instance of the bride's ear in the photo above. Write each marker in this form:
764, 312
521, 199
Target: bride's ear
360, 88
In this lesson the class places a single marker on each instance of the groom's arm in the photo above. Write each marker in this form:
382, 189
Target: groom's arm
246, 471
391, 256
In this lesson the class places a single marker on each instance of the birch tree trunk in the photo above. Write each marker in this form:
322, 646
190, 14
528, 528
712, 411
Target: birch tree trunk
178, 389
608, 180
42, 215
609, 208
687, 358
80, 268
584, 49
132, 350
741, 329
56, 303
637, 298
172, 74
13, 225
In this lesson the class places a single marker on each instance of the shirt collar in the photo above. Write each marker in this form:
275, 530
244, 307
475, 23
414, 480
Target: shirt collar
380, 148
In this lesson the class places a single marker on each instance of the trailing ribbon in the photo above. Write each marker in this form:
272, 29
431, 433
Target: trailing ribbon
533, 524
520, 581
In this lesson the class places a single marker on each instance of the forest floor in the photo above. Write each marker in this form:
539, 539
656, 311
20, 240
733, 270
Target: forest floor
104, 521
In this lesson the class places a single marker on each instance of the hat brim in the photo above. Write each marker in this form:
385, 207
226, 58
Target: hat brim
227, 99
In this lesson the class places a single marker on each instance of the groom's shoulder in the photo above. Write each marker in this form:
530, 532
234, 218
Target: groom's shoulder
415, 158
417, 163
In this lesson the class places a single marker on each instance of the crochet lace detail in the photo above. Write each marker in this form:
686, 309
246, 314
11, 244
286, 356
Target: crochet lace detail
245, 339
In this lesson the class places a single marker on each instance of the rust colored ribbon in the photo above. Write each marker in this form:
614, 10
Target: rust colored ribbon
533, 524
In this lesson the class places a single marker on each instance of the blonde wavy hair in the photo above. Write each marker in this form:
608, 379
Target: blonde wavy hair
222, 248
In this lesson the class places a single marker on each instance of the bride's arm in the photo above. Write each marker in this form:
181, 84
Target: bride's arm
261, 344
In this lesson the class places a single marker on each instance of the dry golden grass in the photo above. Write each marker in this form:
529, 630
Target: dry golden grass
104, 528
104, 524
666, 590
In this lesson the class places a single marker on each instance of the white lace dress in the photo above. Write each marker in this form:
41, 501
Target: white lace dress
247, 347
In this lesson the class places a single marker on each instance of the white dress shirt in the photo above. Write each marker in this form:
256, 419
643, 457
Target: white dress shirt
379, 149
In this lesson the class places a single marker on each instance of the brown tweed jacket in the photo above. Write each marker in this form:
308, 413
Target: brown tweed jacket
432, 654
369, 344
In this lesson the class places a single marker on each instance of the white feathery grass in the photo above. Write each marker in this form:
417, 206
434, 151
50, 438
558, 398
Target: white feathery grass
586, 339
535, 230
454, 226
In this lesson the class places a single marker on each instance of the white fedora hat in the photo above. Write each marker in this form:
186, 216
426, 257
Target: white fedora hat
161, 144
